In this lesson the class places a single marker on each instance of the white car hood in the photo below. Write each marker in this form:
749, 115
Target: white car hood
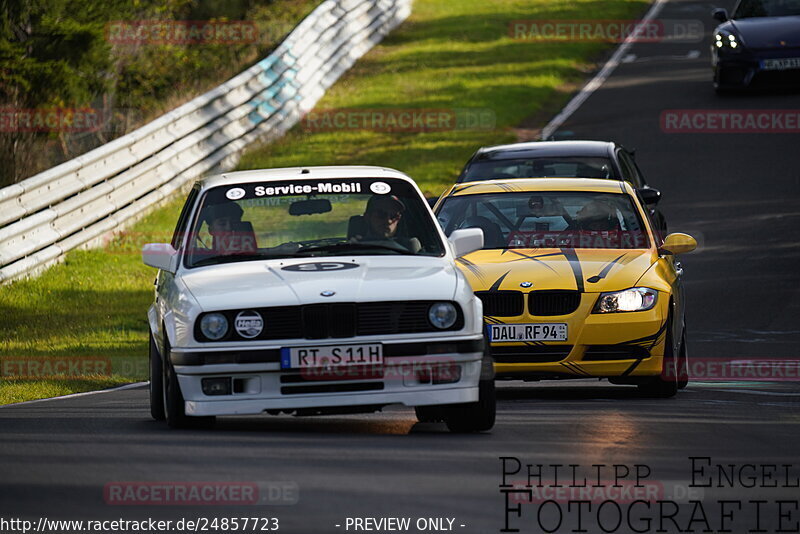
256, 284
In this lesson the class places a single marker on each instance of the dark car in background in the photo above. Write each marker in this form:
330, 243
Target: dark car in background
563, 159
757, 46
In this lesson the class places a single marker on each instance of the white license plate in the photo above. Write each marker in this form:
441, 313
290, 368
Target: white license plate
331, 356
499, 333
781, 64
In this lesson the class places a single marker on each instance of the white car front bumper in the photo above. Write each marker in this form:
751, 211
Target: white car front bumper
447, 378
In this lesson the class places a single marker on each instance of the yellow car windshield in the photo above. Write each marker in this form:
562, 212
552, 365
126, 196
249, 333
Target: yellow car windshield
548, 219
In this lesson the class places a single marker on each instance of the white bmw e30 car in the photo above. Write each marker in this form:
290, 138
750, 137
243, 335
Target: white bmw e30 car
314, 291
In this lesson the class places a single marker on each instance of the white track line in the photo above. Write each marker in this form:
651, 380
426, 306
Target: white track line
73, 395
599, 78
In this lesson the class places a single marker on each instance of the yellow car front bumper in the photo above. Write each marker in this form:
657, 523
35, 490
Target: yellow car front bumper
598, 345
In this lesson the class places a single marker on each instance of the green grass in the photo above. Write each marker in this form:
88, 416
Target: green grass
93, 307
447, 55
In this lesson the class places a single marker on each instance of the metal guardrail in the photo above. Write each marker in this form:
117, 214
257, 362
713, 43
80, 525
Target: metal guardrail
106, 189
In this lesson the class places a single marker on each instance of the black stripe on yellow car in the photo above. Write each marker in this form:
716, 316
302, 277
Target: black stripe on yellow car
459, 189
651, 339
534, 258
474, 269
605, 270
496, 285
575, 368
575, 263
508, 188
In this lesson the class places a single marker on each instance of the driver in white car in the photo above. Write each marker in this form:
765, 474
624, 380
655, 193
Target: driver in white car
383, 214
382, 218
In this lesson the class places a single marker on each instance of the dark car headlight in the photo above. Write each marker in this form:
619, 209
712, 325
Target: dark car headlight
727, 42
628, 300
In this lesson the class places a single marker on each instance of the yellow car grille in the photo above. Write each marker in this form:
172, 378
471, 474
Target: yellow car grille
540, 303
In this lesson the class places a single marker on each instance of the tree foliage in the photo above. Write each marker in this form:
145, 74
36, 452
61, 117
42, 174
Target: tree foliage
56, 54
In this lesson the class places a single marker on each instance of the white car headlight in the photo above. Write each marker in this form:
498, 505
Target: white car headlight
629, 300
442, 315
214, 326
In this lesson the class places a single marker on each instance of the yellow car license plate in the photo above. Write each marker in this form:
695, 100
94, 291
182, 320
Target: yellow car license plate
528, 332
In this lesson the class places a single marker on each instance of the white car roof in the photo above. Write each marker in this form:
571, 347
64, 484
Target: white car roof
302, 173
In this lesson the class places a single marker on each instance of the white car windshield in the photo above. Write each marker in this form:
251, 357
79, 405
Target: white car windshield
310, 218
548, 219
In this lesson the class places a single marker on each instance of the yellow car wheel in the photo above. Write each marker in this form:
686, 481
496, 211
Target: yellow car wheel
683, 363
664, 385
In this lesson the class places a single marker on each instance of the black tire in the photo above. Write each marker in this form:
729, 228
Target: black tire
664, 385
683, 363
174, 403
429, 414
156, 383
474, 416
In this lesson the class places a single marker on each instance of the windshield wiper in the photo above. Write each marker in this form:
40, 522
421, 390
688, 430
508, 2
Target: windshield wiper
340, 247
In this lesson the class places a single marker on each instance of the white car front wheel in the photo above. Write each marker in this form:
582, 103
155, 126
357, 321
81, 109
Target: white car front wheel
174, 403
156, 383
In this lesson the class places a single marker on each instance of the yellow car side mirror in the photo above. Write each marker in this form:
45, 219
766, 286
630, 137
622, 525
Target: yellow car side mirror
678, 243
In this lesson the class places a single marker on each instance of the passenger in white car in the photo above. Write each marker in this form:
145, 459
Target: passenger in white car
230, 235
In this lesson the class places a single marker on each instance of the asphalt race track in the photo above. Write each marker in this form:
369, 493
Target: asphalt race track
738, 193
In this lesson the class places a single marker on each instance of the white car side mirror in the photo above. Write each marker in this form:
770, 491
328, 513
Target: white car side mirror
161, 256
466, 240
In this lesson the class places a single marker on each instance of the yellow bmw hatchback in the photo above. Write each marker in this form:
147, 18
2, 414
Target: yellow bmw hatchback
575, 281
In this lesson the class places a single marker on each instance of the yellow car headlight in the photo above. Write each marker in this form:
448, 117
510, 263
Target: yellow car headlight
629, 300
